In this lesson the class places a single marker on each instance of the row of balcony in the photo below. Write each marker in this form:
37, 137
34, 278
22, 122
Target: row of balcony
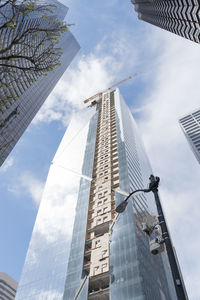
99, 287
106, 164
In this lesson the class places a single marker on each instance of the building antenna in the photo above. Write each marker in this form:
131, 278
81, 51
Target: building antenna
99, 95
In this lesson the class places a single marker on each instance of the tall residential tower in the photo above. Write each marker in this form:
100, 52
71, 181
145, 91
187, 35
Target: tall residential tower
76, 250
181, 17
190, 125
29, 95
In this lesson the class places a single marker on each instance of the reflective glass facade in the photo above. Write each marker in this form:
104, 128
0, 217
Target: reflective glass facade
44, 272
178, 16
135, 272
15, 117
78, 247
190, 125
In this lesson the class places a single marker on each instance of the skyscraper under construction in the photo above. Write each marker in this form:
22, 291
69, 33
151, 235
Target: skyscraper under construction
181, 17
78, 249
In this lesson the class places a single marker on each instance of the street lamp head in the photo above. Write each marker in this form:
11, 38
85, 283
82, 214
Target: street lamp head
154, 183
121, 207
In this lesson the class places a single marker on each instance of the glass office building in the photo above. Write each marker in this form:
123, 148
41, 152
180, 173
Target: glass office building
178, 16
16, 115
190, 125
78, 249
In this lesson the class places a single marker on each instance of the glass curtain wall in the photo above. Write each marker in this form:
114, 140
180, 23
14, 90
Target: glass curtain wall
135, 272
45, 267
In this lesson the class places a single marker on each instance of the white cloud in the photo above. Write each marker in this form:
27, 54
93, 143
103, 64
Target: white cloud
75, 86
32, 185
7, 164
93, 73
28, 183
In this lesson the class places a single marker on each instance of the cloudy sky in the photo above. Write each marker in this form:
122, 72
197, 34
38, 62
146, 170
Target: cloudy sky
114, 44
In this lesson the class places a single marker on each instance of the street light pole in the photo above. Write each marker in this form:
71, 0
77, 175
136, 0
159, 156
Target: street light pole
179, 287
153, 187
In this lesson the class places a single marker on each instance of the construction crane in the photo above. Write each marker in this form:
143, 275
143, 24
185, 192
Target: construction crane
99, 95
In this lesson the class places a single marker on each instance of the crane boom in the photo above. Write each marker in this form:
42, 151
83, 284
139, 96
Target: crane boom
112, 86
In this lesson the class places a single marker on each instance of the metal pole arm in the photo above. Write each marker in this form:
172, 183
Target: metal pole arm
136, 191
122, 206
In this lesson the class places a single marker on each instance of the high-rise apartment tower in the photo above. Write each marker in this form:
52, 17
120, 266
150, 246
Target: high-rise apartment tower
8, 287
29, 95
181, 17
190, 125
78, 249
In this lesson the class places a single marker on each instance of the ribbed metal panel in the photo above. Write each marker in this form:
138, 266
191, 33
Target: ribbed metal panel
181, 17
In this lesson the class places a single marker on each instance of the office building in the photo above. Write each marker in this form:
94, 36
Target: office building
8, 287
178, 16
16, 115
73, 252
190, 125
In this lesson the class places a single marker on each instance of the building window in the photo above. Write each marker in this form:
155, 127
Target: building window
96, 268
104, 266
105, 218
104, 252
99, 202
98, 211
98, 243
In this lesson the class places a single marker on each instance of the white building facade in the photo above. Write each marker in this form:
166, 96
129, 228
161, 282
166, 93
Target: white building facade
190, 125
